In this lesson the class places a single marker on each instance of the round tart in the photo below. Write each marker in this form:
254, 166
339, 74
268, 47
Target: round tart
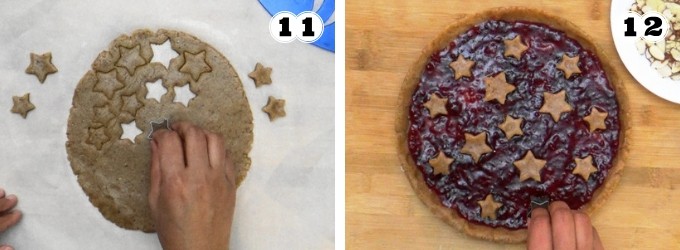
507, 107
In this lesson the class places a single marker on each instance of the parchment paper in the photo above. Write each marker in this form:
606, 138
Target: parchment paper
286, 202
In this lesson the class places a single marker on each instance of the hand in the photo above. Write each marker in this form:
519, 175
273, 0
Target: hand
193, 188
559, 227
8, 217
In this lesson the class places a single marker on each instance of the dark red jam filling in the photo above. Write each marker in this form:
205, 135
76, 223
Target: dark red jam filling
556, 142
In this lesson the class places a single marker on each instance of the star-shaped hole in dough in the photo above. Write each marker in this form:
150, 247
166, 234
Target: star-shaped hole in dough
440, 163
183, 95
163, 53
108, 83
475, 145
529, 167
97, 136
596, 119
569, 65
555, 104
130, 59
195, 65
275, 108
461, 67
130, 131
41, 66
155, 90
22, 104
584, 167
489, 207
511, 126
514, 47
261, 75
436, 105
497, 88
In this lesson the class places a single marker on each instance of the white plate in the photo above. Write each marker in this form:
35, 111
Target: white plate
637, 64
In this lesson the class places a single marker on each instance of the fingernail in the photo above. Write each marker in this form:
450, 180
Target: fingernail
11, 197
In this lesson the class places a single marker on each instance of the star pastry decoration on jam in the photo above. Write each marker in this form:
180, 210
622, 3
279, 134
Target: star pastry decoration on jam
596, 119
569, 65
529, 167
475, 145
22, 105
436, 105
514, 47
461, 67
440, 163
130, 59
584, 167
497, 88
261, 75
555, 104
274, 108
195, 65
41, 66
108, 83
97, 136
511, 126
489, 207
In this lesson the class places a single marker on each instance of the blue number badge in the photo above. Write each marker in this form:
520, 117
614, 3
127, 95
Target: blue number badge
308, 26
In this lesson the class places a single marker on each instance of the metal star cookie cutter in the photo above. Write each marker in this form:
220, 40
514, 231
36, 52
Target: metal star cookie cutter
539, 201
164, 124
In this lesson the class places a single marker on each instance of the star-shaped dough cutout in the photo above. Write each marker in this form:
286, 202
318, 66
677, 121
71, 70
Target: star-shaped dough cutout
130, 104
489, 207
584, 167
514, 47
530, 167
103, 114
436, 105
22, 104
497, 88
261, 75
130, 59
511, 126
108, 83
274, 108
461, 67
569, 65
195, 65
475, 145
97, 136
41, 66
596, 119
440, 164
555, 104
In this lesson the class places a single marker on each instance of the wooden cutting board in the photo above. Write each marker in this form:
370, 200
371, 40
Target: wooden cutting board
384, 38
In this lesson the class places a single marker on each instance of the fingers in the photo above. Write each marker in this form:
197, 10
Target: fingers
155, 173
170, 152
230, 170
540, 236
9, 219
195, 144
6, 247
562, 225
216, 152
7, 203
597, 243
584, 230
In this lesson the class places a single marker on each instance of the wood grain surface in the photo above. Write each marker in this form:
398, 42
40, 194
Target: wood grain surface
385, 37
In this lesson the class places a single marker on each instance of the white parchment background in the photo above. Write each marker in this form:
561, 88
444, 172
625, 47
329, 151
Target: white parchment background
286, 202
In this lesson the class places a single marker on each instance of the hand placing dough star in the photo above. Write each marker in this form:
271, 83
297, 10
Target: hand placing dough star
514, 47
489, 207
195, 65
569, 65
461, 67
555, 104
436, 105
530, 167
274, 108
596, 119
440, 164
584, 167
497, 88
475, 145
261, 75
511, 126
22, 105
41, 66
